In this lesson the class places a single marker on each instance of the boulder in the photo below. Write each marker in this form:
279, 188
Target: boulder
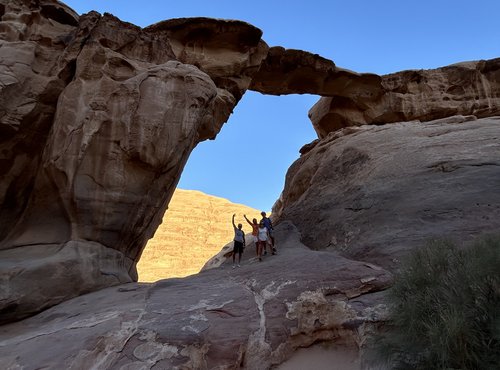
373, 193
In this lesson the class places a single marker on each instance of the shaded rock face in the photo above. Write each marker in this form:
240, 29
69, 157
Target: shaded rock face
470, 88
373, 193
252, 317
32, 76
289, 71
99, 117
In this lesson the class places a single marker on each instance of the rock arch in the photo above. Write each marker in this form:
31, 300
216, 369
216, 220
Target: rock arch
99, 117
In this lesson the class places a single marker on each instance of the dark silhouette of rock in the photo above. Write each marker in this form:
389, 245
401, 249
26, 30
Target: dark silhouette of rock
289, 71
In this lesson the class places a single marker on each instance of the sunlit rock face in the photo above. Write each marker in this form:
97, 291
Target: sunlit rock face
98, 119
469, 88
373, 193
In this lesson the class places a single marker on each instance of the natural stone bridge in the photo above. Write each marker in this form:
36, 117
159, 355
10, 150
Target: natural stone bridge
99, 117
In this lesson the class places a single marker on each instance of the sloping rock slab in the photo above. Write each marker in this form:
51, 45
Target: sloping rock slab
254, 316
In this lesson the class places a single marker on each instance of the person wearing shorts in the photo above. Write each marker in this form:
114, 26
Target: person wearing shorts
262, 239
255, 232
239, 242
269, 226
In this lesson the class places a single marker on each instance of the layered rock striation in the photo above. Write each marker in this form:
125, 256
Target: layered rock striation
469, 88
373, 193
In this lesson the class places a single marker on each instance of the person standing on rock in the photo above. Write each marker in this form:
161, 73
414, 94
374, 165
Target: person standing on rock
269, 226
262, 239
255, 232
239, 242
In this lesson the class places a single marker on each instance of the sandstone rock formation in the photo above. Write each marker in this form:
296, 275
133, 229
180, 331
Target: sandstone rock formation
85, 183
229, 51
470, 88
252, 317
374, 192
194, 228
289, 71
98, 119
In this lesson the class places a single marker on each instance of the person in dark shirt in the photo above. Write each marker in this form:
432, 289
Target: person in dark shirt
269, 226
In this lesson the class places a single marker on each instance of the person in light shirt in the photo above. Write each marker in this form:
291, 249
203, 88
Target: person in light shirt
262, 237
239, 242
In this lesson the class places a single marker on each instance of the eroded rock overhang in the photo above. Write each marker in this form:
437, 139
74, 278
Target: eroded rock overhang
98, 119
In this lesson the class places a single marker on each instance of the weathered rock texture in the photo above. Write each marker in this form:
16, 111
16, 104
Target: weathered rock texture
98, 119
229, 51
289, 71
373, 193
252, 317
193, 229
471, 88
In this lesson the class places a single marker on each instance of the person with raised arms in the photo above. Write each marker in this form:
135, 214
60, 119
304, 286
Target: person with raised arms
239, 242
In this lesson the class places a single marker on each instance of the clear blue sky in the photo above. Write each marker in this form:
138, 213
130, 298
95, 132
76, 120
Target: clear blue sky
379, 36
